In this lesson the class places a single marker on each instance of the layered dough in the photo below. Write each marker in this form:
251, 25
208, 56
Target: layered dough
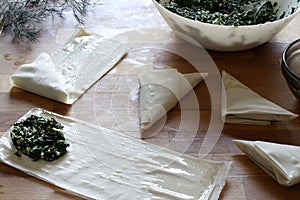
103, 164
67, 73
160, 91
244, 106
281, 162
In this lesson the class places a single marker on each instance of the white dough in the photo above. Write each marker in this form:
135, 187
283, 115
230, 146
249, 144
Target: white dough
244, 106
281, 162
66, 74
103, 164
160, 91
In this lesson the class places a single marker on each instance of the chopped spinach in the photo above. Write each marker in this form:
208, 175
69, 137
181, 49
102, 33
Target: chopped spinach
225, 12
39, 138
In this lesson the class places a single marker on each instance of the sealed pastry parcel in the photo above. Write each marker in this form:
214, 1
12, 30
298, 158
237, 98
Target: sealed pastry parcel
245, 106
103, 164
160, 91
280, 161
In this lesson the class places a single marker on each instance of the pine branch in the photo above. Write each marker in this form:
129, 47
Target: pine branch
23, 18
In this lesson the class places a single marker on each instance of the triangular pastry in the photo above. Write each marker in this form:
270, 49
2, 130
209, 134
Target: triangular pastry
66, 74
244, 106
281, 162
160, 90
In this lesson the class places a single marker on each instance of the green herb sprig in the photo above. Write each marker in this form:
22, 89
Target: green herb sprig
39, 138
23, 19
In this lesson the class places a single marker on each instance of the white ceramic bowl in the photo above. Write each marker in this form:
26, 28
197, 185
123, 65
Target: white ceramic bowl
230, 38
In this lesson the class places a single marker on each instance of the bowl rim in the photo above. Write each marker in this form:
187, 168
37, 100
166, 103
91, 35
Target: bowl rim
229, 26
290, 82
284, 59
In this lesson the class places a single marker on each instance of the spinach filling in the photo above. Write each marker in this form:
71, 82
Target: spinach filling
225, 12
39, 138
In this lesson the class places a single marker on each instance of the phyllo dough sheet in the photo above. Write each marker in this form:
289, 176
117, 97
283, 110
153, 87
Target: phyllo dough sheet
103, 164
68, 72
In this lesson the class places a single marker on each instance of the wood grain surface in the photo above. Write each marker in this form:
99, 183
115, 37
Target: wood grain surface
112, 102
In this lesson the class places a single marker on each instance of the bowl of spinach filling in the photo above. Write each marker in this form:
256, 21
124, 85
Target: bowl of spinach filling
39, 138
228, 25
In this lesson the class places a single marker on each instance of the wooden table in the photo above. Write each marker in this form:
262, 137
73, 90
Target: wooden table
258, 68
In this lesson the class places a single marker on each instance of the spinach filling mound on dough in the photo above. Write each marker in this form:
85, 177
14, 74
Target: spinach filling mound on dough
39, 138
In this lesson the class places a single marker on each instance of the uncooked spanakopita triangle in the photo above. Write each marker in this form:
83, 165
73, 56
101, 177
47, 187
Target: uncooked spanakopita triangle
160, 90
281, 162
244, 106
